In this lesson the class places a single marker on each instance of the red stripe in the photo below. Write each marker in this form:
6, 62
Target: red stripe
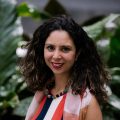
59, 111
39, 108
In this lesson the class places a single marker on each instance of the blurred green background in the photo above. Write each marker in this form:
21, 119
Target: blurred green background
14, 95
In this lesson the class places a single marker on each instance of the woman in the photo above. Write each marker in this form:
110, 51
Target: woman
64, 69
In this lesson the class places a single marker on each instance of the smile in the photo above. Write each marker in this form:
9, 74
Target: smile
57, 65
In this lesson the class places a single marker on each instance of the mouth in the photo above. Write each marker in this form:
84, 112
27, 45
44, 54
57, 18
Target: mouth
57, 65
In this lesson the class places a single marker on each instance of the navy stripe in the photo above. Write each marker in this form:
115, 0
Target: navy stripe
62, 117
45, 109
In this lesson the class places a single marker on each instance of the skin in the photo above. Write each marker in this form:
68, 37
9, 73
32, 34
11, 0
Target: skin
94, 111
34, 105
59, 55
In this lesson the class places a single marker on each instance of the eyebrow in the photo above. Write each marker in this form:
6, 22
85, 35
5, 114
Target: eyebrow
60, 45
48, 44
68, 46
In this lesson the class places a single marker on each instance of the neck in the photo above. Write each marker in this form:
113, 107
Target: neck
61, 81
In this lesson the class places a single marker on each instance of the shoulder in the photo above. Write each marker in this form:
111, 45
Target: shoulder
34, 104
90, 108
93, 110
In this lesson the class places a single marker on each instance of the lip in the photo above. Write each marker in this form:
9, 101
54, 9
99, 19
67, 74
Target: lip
57, 65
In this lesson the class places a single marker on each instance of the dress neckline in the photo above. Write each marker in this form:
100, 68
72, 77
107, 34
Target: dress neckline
50, 95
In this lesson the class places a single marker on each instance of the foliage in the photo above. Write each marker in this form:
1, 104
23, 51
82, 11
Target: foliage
10, 34
106, 34
26, 10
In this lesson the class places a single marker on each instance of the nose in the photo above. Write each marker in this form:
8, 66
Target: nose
56, 54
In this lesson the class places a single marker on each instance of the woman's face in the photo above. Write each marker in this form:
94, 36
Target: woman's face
59, 52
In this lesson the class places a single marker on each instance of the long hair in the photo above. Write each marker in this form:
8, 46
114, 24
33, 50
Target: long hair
88, 70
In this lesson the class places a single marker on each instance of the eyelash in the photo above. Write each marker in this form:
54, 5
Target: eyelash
64, 49
50, 48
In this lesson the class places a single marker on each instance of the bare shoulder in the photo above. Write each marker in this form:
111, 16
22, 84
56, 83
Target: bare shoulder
94, 111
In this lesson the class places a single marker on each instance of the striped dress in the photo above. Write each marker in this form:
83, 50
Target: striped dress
65, 107
50, 109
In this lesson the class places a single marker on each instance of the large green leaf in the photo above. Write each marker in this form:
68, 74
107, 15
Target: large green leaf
114, 101
106, 35
98, 30
10, 34
10, 31
27, 10
114, 60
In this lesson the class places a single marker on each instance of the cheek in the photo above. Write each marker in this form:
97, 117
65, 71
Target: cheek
47, 56
70, 58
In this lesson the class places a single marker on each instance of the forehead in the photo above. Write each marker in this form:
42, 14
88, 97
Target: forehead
59, 37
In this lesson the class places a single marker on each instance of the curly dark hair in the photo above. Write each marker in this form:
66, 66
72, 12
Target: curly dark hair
88, 70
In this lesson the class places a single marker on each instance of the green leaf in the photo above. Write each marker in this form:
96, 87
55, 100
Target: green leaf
21, 109
103, 46
26, 10
115, 79
11, 100
10, 34
114, 101
98, 30
114, 60
115, 70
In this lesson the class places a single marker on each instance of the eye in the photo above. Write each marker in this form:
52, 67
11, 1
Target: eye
50, 48
65, 49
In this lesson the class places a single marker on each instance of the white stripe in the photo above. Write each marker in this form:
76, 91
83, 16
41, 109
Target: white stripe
52, 108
